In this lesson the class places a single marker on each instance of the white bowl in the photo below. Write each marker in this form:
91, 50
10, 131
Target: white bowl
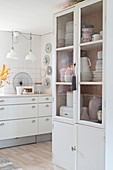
69, 27
96, 37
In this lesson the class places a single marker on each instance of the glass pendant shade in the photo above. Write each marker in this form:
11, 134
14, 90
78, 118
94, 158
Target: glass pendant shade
11, 54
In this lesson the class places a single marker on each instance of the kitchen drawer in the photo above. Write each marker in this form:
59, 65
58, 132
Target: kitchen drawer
45, 109
18, 100
45, 99
18, 111
45, 125
18, 128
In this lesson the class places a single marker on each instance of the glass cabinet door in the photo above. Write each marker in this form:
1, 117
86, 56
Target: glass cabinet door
65, 25
64, 63
91, 62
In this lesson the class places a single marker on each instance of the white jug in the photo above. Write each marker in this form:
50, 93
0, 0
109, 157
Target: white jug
19, 90
85, 64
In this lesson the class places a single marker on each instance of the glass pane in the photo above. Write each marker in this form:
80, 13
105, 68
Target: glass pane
91, 103
64, 66
65, 30
64, 101
91, 63
91, 22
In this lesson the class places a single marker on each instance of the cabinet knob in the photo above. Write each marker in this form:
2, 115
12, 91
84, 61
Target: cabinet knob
33, 121
47, 98
2, 101
47, 105
33, 99
33, 107
73, 148
2, 124
47, 119
2, 108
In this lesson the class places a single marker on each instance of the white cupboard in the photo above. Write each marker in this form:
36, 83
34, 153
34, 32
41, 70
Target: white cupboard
24, 116
65, 145
90, 148
79, 41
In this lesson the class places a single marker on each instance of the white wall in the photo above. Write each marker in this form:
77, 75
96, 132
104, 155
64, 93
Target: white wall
109, 87
22, 49
48, 38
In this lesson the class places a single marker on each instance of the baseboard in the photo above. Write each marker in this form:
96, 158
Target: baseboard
44, 138
25, 140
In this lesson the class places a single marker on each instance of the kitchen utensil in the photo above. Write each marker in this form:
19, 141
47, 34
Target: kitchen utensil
96, 37
69, 98
94, 104
99, 55
84, 115
22, 77
69, 27
66, 111
19, 90
38, 88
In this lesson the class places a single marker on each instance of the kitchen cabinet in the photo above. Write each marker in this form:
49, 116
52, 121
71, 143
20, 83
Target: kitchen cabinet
45, 115
65, 145
24, 116
84, 25
90, 150
18, 128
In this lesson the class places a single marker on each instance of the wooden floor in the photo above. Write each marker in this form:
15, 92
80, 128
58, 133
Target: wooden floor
30, 157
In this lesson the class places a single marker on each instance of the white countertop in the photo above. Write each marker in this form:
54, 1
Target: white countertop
25, 95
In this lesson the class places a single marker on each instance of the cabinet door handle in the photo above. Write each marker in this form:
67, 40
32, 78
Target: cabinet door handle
33, 107
2, 108
47, 105
2, 124
47, 119
47, 98
2, 101
73, 148
33, 99
33, 121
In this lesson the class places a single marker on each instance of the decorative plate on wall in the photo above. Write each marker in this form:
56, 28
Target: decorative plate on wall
49, 70
46, 60
43, 73
48, 48
47, 83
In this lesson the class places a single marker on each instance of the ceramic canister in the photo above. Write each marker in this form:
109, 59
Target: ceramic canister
70, 98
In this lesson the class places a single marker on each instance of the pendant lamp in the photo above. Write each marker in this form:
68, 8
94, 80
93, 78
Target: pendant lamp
30, 56
12, 54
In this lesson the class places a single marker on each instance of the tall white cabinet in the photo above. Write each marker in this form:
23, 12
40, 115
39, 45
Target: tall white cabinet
79, 115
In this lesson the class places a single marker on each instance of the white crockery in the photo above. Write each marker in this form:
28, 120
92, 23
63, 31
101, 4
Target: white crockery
97, 37
69, 27
99, 55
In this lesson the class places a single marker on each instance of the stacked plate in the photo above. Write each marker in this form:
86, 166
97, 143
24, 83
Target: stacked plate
86, 76
97, 74
69, 33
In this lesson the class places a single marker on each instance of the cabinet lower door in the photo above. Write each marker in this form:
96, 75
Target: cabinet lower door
65, 145
90, 148
18, 128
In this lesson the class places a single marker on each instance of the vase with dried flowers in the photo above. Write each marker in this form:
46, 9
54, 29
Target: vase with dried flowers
4, 76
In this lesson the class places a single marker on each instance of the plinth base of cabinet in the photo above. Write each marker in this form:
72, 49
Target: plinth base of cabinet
25, 140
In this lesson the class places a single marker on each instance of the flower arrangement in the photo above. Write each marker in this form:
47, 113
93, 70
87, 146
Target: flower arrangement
4, 76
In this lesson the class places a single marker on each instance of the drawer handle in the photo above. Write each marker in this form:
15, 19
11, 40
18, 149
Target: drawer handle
33, 107
47, 119
2, 101
47, 105
47, 98
2, 124
33, 99
2, 108
33, 121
